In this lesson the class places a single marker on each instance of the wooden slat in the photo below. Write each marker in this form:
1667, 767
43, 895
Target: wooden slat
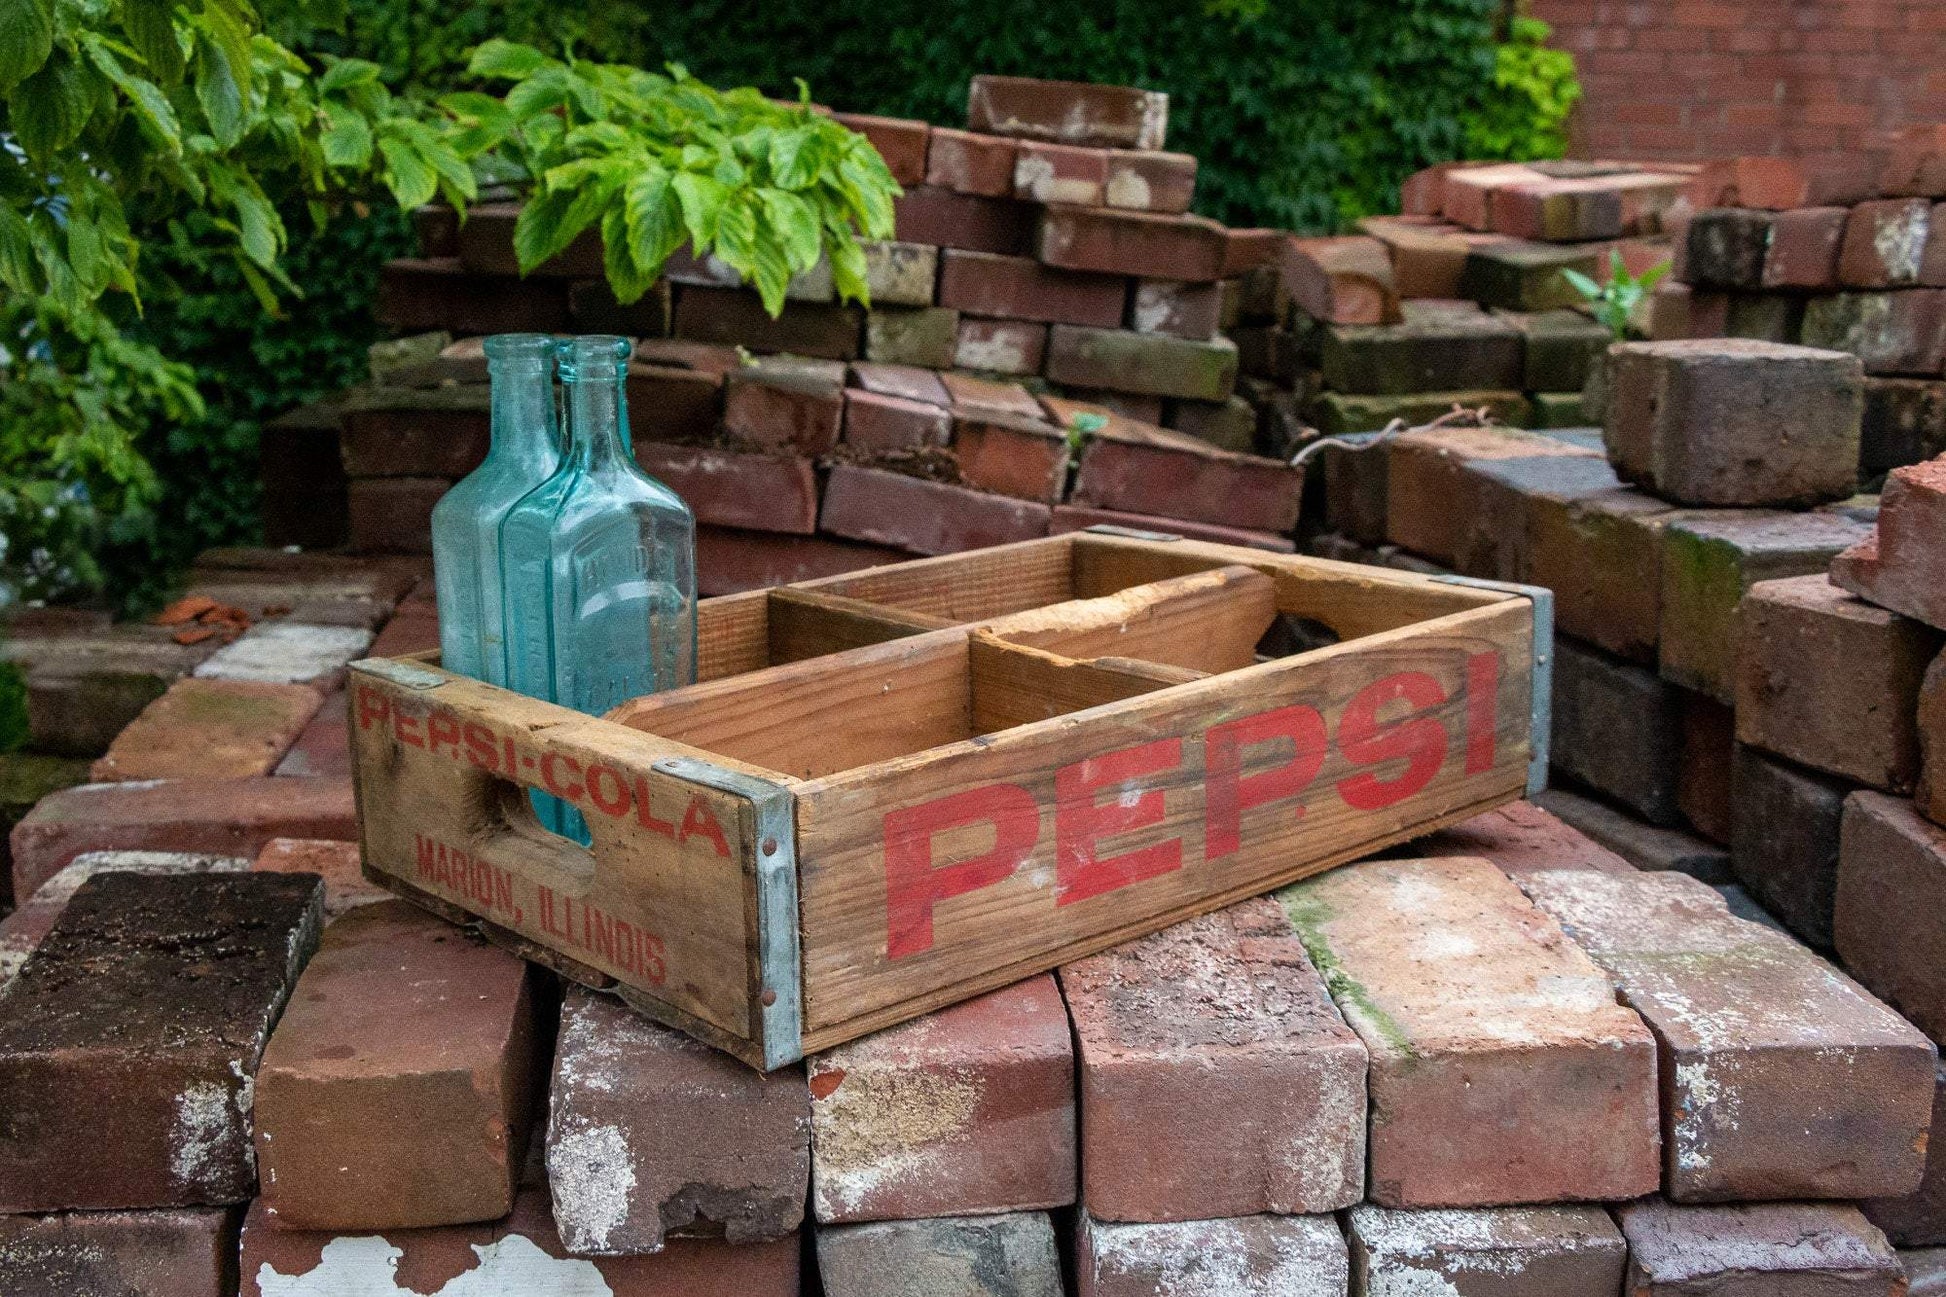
1205, 621
972, 586
825, 714
808, 624
1017, 920
732, 634
1017, 685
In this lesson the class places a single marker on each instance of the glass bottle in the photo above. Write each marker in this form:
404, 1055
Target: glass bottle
598, 562
525, 451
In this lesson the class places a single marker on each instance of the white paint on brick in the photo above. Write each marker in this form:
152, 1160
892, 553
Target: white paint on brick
368, 1267
1900, 242
286, 653
1128, 187
592, 1175
207, 1121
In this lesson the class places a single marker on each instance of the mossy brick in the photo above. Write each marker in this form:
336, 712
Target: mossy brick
182, 1252
1832, 682
1254, 1256
153, 996
1559, 346
1757, 1250
1001, 346
1432, 505
1556, 411
83, 690
1727, 246
1502, 1070
210, 729
1710, 559
1487, 1252
1897, 332
1784, 839
1617, 730
1337, 413
1217, 1078
1009, 1255
1903, 566
1143, 363
900, 274
1890, 919
1643, 845
966, 1111
1888, 243
1520, 276
25, 778
926, 336
1435, 341
1764, 317
1904, 422
1782, 1078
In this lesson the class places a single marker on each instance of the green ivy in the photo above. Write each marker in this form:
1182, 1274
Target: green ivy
1534, 93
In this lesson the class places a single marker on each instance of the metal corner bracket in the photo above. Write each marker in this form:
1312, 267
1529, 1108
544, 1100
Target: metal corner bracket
1541, 719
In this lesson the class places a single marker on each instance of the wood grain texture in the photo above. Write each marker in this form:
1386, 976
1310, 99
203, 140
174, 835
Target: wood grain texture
1016, 685
732, 634
808, 624
1204, 621
973, 586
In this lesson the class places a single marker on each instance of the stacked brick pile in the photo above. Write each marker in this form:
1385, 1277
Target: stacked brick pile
1846, 251
1461, 300
1045, 267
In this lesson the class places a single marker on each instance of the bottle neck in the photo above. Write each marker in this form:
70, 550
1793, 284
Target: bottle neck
597, 416
522, 423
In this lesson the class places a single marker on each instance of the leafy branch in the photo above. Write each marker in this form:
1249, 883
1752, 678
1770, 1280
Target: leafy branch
1616, 302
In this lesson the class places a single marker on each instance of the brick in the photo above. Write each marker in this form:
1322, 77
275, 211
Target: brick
1337, 413
1180, 310
441, 432
1904, 423
1430, 505
1831, 681
1011, 1255
1435, 340
1915, 163
210, 729
1227, 425
1782, 1078
923, 517
900, 274
1023, 289
154, 996
1903, 566
783, 411
1930, 795
874, 422
1023, 458
1784, 840
1643, 845
187, 1252
322, 749
345, 887
970, 394
486, 246
729, 561
1255, 1256
1495, 1252
1710, 560
1559, 209
439, 293
1150, 181
413, 629
931, 214
393, 515
652, 1134
902, 142
288, 653
1423, 192
1117, 242
1617, 730
1559, 348
1698, 421
908, 382
1901, 332
667, 403
1518, 838
1925, 1269
232, 817
1728, 247
1060, 173
734, 317
1144, 363
1484, 1089
1918, 1219
1760, 1250
1827, 179
969, 163
1345, 280
1803, 251
595, 309
1078, 517
1521, 276
924, 336
725, 488
967, 1111
1217, 1078
83, 690
1068, 112
521, 1254
1890, 925
1466, 193
1888, 244
1703, 788
1137, 469
397, 1088
25, 778
1001, 346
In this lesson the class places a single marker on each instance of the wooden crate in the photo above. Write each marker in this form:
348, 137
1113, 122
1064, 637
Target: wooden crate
900, 788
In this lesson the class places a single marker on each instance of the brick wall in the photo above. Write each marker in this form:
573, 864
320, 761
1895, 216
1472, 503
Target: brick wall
1702, 78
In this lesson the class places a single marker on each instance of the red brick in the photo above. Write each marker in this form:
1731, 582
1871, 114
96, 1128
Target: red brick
1919, 1219
908, 382
1255, 249
1931, 794
1803, 250
967, 1111
1175, 308
727, 488
323, 747
1021, 288
735, 317
667, 403
1079, 517
1423, 193
188, 1252
1708, 748
393, 515
900, 141
973, 395
1060, 173
441, 294
1915, 164
486, 246
1435, 502
1001, 346
1831, 681
1520, 838
967, 163
651, 1134
729, 561
1903, 567
930, 214
878, 423
783, 411
397, 1088
232, 817
1249, 1256
1887, 243
1341, 280
1150, 182
1167, 474
404, 439
1466, 193
1510, 1251
338, 863
1897, 332
151, 996
1023, 458
1781, 1078
413, 629
1890, 919
1782, 183
1139, 407
1132, 243
924, 517
1217, 1079
436, 226
1485, 1087
1759, 1250
1068, 112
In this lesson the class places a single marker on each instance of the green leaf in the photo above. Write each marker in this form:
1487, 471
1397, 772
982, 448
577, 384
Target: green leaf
655, 222
52, 107
1653, 276
703, 199
346, 139
627, 280
795, 222
26, 38
151, 106
848, 271
87, 256
343, 74
549, 223
506, 60
1581, 284
793, 158
219, 95
484, 122
411, 178
17, 254
151, 30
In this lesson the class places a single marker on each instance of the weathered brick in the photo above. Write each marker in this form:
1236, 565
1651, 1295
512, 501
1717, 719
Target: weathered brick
1904, 423
1521, 276
1709, 561
943, 218
26, 927
1494, 1252
413, 629
1138, 469
1518, 837
970, 394
1146, 180
735, 317
1435, 341
727, 488
1903, 566
1010, 1255
1781, 183
153, 996
1118, 242
970, 163
874, 422
1901, 332
1346, 280
1227, 425
921, 516
1559, 348
1023, 458
1142, 362
186, 1252
926, 336
1254, 1256
967, 1111
233, 817
1643, 845
1889, 243
1023, 289
1726, 247
1567, 209
1831, 681
801, 413
440, 432
1178, 309
1217, 1079
652, 1134
1703, 788
729, 561
1618, 730
1068, 112
83, 690
1467, 192
345, 887
25, 778
1502, 1070
1060, 173
1784, 839
1079, 517
907, 382
1925, 1270
1803, 251
210, 729
288, 653
1890, 920
1781, 1077
1433, 500
669, 403
1001, 346
322, 749
901, 141
1930, 795
1918, 1219
900, 274
1761, 1250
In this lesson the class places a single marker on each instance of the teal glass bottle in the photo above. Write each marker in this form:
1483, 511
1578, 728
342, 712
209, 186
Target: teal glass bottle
526, 450
598, 563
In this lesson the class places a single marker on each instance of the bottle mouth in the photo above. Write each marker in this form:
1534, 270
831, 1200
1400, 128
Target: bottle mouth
594, 355
519, 348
